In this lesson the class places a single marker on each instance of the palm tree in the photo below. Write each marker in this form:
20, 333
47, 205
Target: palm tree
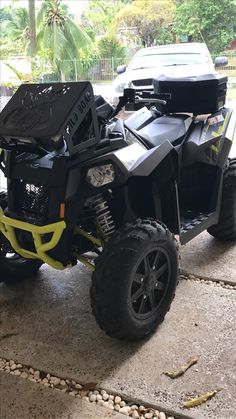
32, 28
17, 29
59, 34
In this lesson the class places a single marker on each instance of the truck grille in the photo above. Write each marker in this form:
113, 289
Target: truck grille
140, 83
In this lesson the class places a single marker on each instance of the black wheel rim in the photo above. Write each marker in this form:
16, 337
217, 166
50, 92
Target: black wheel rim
150, 282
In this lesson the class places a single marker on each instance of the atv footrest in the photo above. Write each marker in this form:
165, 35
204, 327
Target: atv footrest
193, 223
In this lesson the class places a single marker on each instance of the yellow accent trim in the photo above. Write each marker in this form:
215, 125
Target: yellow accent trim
88, 236
221, 128
86, 262
8, 225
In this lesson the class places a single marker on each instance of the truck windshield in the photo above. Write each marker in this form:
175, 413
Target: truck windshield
167, 59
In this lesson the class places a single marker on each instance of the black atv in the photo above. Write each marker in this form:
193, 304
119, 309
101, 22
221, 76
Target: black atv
84, 185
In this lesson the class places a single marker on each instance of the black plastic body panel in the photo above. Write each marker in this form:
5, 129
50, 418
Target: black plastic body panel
44, 114
147, 163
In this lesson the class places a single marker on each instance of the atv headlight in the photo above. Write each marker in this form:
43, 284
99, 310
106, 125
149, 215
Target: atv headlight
100, 175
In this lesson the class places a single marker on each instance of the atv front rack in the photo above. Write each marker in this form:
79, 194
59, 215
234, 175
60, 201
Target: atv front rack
8, 226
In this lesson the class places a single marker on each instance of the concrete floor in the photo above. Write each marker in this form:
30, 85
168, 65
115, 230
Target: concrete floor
20, 399
207, 257
53, 330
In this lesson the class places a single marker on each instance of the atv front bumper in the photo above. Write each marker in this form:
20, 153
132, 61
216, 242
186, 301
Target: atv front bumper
8, 226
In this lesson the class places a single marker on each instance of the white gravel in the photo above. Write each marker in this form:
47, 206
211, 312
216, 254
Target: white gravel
74, 389
216, 283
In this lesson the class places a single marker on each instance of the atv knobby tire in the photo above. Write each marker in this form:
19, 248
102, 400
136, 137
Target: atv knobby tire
16, 268
226, 227
135, 280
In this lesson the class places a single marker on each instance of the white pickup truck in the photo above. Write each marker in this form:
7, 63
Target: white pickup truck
178, 60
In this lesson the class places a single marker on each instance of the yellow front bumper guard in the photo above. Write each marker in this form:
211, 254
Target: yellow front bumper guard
8, 225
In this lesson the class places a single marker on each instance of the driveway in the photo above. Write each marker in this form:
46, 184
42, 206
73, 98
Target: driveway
47, 324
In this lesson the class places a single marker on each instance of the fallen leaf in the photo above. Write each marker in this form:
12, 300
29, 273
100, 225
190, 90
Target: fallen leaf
199, 400
174, 374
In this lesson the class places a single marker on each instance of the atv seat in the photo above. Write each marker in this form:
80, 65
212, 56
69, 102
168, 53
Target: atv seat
171, 128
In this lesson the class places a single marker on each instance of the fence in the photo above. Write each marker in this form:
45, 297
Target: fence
104, 70
97, 70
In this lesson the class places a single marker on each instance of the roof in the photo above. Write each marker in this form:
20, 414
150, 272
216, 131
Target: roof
190, 46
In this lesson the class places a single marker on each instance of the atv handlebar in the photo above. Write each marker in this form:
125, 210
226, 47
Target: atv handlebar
138, 99
130, 97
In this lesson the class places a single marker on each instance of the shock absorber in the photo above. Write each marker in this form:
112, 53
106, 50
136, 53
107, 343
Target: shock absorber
104, 217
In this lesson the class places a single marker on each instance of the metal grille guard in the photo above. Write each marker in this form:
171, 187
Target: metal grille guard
8, 225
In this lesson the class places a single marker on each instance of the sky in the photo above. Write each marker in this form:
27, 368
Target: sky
76, 6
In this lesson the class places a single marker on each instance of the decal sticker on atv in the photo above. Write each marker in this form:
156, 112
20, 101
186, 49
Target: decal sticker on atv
222, 126
210, 130
215, 119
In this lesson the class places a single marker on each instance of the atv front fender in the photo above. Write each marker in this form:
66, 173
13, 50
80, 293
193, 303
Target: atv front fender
161, 165
149, 161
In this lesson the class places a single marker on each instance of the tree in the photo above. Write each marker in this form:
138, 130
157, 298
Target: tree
17, 29
100, 14
110, 47
5, 15
59, 34
146, 19
209, 21
32, 28
11, 32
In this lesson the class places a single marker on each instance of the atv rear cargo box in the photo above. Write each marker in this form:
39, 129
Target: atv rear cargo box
46, 114
199, 95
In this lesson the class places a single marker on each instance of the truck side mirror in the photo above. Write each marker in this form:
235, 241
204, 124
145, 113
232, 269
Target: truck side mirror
121, 69
221, 61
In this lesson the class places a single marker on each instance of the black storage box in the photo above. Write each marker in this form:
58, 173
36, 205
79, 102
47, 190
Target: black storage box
199, 95
45, 114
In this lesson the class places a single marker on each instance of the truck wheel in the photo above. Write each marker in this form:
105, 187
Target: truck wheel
135, 280
13, 267
226, 227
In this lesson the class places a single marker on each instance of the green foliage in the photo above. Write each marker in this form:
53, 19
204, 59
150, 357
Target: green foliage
210, 21
165, 35
17, 28
59, 34
100, 14
19, 25
10, 49
109, 46
18, 74
5, 16
146, 20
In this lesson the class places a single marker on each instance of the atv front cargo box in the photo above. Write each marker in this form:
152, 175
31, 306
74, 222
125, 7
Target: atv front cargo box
199, 95
46, 114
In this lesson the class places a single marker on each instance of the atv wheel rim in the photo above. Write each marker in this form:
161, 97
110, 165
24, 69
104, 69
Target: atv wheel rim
150, 282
